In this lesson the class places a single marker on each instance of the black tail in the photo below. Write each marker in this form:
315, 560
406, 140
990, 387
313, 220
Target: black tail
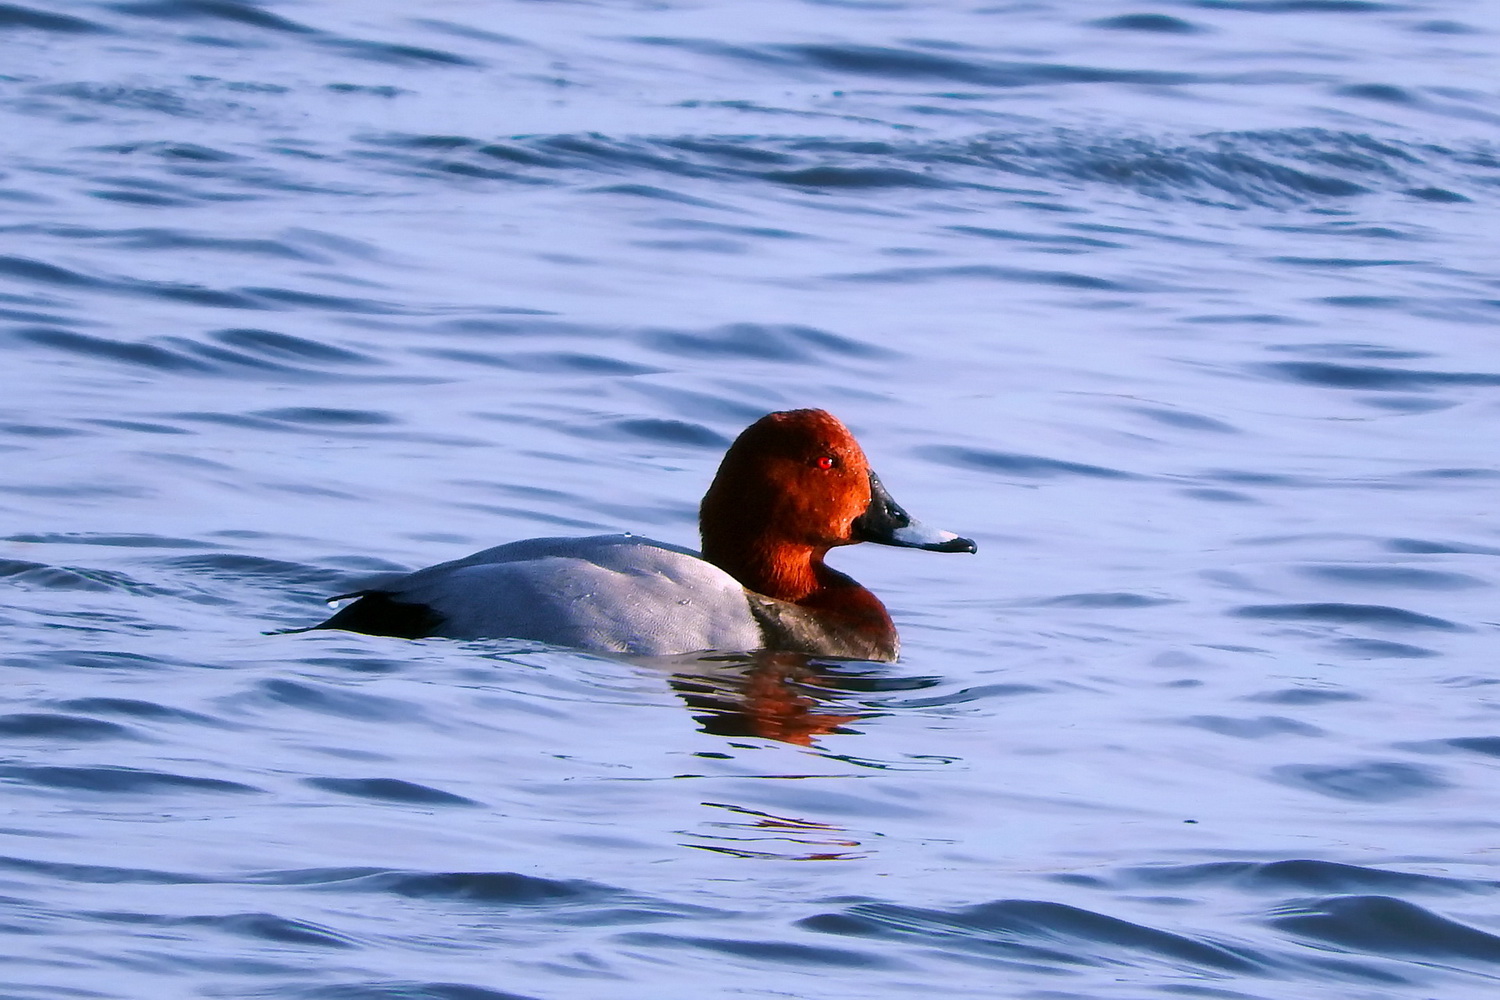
378, 613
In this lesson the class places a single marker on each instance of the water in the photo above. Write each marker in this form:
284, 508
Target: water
1184, 311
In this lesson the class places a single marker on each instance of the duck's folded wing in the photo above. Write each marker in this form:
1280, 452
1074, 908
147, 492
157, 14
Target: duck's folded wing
608, 594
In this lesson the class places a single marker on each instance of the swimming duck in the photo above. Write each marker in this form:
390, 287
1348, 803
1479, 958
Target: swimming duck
793, 485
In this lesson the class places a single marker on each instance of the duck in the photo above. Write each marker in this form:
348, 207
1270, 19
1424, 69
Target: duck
792, 486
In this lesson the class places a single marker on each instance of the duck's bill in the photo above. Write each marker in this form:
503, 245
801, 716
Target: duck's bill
886, 523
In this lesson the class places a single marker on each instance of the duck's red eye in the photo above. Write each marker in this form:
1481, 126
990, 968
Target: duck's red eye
826, 462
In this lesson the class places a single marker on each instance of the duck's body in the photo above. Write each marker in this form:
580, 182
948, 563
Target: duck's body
792, 486
610, 593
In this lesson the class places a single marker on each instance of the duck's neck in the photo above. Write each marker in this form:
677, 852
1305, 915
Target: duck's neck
797, 574
786, 572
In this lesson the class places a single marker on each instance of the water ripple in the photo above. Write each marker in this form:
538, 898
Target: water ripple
1374, 376
20, 725
116, 780
1350, 614
1383, 925
1302, 875
400, 989
1270, 167
1365, 781
211, 10
16, 16
789, 953
1032, 931
99, 874
387, 790
1027, 466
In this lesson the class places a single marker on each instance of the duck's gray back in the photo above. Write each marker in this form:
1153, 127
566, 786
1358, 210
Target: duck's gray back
608, 593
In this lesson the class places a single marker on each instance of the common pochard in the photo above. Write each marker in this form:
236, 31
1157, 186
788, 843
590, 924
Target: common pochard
792, 486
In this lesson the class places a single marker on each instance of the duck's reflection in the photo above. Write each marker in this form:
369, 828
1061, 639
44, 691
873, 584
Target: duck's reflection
789, 697
754, 833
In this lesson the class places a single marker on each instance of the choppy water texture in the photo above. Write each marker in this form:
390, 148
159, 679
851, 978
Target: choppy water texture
1186, 311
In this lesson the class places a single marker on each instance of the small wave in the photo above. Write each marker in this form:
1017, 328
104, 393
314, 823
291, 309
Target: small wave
490, 888
1422, 546
211, 10
397, 989
1049, 239
99, 874
104, 97
237, 353
134, 708
1252, 729
978, 692
117, 780
1381, 649
1185, 420
397, 54
1339, 262
1376, 377
1302, 6
1366, 781
353, 427
383, 790
763, 342
40, 431
1012, 464
14, 16
663, 431
180, 240
48, 725
852, 178
1273, 168
326, 700
273, 344
1305, 696
258, 926
124, 541
246, 15
241, 569
1487, 745
1240, 477
1383, 925
1115, 599
251, 298
782, 953
289, 246
1407, 577
915, 64
44, 577
1158, 24
1300, 875
324, 416
600, 348
43, 273
1349, 614
540, 362
990, 272
656, 193
1036, 932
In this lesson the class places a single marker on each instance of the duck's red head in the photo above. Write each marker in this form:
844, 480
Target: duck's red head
793, 485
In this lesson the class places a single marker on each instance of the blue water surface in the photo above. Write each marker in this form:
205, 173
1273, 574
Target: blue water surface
1186, 311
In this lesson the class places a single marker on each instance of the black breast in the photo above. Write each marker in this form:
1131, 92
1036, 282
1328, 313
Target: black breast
794, 629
